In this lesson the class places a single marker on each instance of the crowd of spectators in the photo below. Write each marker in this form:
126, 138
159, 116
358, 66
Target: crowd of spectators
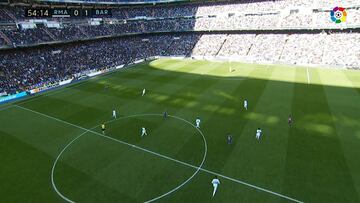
27, 68
342, 49
28, 36
267, 47
307, 48
4, 17
244, 21
299, 48
23, 69
11, 13
2, 42
302, 20
237, 45
67, 33
209, 45
17, 13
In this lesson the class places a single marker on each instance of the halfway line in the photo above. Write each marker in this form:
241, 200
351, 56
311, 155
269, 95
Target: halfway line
165, 157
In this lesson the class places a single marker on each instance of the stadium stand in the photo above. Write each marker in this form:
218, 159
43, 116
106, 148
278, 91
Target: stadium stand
257, 31
29, 68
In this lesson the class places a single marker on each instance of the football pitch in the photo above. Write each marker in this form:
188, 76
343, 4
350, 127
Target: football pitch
53, 150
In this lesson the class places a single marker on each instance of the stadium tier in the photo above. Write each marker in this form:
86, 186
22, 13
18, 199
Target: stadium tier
120, 2
302, 31
28, 68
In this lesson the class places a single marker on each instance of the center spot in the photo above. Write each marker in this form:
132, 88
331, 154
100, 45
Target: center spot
96, 168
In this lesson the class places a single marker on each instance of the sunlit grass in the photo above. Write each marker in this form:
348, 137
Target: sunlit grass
329, 76
313, 160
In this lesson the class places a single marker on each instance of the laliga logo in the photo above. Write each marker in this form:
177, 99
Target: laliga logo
338, 15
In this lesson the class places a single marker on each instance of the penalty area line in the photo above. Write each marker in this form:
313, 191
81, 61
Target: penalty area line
166, 157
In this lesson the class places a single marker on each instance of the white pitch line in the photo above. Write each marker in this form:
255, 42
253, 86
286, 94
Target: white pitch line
125, 143
90, 130
169, 158
6, 107
54, 165
51, 117
308, 75
56, 90
41, 95
52, 92
252, 186
198, 168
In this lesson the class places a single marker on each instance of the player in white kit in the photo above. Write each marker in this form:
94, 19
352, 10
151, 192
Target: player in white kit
143, 132
258, 133
197, 122
215, 182
114, 114
143, 92
245, 104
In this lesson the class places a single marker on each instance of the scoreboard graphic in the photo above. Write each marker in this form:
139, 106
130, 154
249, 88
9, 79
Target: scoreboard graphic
66, 13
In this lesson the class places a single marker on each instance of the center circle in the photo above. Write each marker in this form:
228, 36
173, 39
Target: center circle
139, 148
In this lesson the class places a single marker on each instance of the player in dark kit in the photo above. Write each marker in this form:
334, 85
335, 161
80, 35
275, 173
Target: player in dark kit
290, 120
165, 114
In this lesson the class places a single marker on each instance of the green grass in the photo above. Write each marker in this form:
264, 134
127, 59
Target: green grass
315, 160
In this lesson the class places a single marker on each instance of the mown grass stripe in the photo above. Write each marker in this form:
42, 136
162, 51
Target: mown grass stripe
345, 118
